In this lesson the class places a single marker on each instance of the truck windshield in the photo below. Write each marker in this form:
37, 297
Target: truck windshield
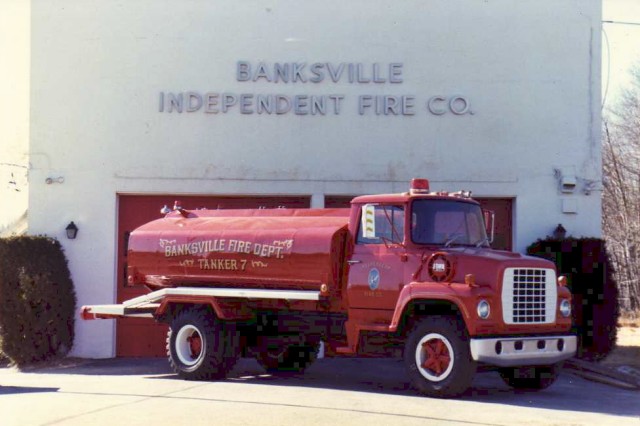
446, 222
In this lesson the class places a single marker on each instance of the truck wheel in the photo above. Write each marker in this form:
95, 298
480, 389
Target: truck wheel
437, 357
293, 359
530, 378
196, 346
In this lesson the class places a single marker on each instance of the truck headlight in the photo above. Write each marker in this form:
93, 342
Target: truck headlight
565, 308
483, 309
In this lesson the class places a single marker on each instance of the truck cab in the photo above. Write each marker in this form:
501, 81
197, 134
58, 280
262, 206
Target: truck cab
394, 232
422, 260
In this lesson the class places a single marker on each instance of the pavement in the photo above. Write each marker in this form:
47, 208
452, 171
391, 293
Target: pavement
355, 391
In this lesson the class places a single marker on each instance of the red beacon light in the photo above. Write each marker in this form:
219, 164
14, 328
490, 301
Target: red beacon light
419, 186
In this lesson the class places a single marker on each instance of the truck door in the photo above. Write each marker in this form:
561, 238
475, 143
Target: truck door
376, 271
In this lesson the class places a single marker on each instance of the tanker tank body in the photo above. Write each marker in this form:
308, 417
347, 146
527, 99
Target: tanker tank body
284, 249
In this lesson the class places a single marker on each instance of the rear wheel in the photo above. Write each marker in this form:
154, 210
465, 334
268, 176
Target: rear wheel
530, 378
437, 357
292, 359
196, 346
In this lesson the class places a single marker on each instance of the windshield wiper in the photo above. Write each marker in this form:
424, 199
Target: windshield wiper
451, 240
482, 242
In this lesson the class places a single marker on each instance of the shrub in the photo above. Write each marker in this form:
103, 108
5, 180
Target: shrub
589, 273
37, 300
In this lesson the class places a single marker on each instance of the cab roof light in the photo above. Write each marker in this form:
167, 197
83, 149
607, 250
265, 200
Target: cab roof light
419, 186
461, 194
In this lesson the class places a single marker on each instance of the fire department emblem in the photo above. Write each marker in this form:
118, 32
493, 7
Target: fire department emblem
441, 267
374, 278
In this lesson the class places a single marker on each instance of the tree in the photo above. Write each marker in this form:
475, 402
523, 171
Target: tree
621, 197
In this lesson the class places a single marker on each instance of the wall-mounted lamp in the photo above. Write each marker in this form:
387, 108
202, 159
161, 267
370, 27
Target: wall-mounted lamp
559, 233
72, 230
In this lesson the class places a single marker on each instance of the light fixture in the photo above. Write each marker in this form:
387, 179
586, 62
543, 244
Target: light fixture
483, 309
72, 230
559, 233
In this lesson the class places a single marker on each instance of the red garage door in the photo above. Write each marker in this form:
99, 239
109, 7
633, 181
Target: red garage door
503, 210
338, 201
143, 337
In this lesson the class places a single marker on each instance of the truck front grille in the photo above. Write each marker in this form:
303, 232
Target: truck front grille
529, 296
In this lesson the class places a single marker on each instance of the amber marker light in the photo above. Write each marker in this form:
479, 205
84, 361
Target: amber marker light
562, 281
470, 280
324, 290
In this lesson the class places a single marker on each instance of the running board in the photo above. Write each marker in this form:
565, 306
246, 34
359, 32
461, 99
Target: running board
145, 306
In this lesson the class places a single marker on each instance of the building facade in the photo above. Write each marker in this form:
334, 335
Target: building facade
117, 108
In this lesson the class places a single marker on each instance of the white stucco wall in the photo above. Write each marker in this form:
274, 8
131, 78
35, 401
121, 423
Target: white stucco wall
530, 71
14, 114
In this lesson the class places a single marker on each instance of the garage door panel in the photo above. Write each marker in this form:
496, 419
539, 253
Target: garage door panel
136, 337
503, 210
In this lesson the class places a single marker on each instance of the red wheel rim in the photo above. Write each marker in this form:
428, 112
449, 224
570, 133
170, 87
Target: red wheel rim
189, 345
437, 356
434, 357
195, 345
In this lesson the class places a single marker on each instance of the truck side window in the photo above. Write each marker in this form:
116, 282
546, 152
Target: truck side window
389, 226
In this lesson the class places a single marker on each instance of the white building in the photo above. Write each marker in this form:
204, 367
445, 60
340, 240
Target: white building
111, 109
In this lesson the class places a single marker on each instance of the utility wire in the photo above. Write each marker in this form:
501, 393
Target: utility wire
606, 38
606, 90
621, 22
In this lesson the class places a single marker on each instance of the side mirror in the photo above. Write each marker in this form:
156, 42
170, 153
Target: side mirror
489, 223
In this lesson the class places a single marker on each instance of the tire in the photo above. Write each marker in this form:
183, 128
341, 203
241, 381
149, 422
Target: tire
437, 357
196, 346
530, 378
292, 359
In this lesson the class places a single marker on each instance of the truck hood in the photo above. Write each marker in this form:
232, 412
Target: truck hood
485, 264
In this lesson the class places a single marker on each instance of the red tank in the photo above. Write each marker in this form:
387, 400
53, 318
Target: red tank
276, 249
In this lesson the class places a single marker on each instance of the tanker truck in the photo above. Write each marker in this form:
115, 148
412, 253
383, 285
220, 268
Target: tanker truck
407, 275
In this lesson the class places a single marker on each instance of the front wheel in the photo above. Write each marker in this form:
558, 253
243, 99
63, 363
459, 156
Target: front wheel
196, 345
530, 378
437, 357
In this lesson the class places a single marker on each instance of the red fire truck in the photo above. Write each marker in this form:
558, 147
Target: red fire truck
408, 275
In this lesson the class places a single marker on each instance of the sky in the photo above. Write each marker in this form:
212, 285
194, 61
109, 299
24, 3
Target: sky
623, 47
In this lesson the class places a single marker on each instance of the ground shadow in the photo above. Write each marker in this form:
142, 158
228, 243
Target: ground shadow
12, 390
104, 367
386, 376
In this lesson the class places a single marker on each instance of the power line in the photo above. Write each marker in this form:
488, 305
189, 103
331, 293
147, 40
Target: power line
606, 90
621, 22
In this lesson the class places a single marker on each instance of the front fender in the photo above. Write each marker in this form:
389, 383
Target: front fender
465, 298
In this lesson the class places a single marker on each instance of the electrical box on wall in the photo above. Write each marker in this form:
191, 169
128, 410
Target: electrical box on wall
569, 206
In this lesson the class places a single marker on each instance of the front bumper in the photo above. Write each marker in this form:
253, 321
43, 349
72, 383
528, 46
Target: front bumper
520, 351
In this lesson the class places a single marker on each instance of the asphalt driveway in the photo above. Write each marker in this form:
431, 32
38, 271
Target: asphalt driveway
332, 391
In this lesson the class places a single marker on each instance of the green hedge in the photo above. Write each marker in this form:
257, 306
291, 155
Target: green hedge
589, 273
37, 300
